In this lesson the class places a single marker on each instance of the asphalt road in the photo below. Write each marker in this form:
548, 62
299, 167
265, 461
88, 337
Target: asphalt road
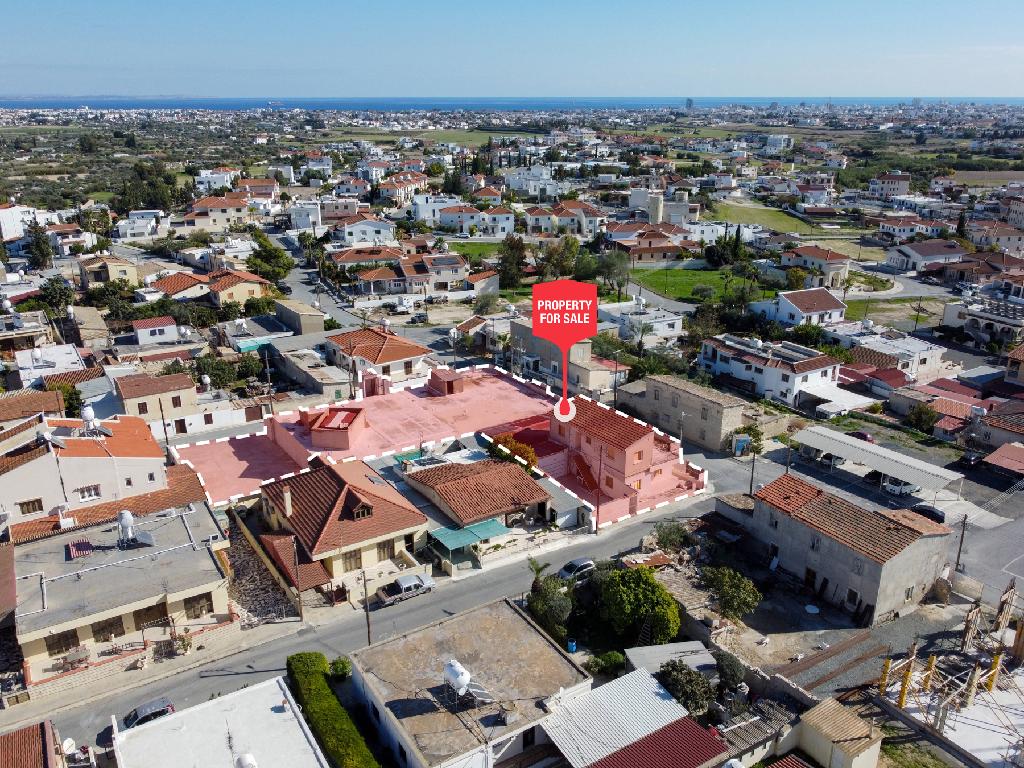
90, 723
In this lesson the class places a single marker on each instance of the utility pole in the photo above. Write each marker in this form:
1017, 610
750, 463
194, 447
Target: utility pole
366, 610
163, 422
960, 548
298, 587
753, 461
615, 380
266, 369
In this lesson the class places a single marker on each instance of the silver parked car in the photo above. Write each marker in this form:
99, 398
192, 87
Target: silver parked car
404, 587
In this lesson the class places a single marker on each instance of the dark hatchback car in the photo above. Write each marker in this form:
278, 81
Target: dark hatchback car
145, 713
932, 513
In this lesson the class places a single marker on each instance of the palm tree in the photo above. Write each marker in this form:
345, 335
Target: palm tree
538, 569
848, 283
504, 342
642, 330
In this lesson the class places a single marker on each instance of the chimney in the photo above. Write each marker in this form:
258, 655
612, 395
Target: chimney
286, 492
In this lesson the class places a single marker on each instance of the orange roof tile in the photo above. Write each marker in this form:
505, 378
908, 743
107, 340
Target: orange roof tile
481, 490
376, 346
606, 425
131, 438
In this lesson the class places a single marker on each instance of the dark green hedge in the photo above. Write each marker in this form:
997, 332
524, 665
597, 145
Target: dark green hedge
330, 723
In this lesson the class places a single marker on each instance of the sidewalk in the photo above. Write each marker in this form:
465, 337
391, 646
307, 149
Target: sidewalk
217, 647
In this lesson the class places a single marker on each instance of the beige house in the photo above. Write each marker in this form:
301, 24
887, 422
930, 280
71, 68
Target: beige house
150, 397
706, 416
375, 351
228, 285
83, 599
97, 270
345, 517
300, 317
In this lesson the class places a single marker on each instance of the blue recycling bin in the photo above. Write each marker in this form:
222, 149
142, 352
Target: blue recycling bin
571, 645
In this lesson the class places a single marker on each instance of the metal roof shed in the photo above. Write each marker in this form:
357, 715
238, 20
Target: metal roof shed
892, 463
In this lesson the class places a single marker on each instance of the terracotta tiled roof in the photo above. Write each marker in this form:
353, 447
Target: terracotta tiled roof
72, 378
144, 385
228, 278
481, 490
20, 456
878, 535
152, 322
1017, 353
281, 547
379, 273
681, 744
178, 282
365, 255
376, 346
481, 276
499, 210
183, 488
819, 254
23, 403
606, 425
28, 747
813, 300
131, 438
470, 325
324, 502
1008, 456
873, 357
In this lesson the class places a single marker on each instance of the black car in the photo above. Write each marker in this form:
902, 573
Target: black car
932, 513
284, 288
151, 710
971, 459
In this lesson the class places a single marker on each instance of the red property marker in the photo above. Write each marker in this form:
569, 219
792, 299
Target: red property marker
564, 312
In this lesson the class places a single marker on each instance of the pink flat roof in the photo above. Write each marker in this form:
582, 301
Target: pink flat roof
394, 422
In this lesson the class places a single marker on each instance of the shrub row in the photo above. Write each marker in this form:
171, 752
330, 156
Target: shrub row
341, 742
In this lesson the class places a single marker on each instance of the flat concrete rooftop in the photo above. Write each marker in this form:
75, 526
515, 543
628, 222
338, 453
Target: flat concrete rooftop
394, 422
505, 653
262, 720
108, 577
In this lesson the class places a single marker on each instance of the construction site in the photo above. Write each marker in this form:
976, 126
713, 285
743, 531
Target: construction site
969, 699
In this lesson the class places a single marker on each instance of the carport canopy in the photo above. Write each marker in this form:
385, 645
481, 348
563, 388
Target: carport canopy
457, 538
892, 463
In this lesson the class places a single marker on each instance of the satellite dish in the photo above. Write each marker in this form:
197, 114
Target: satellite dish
21, 274
37, 354
205, 380
245, 761
88, 414
457, 676
125, 520
68, 746
7, 305
70, 312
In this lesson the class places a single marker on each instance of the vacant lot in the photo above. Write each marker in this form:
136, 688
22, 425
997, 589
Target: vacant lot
473, 249
771, 218
900, 312
851, 248
679, 283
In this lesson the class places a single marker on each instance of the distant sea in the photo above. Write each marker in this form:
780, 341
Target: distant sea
449, 104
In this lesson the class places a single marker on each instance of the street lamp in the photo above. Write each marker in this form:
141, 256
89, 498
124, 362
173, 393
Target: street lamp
615, 379
453, 337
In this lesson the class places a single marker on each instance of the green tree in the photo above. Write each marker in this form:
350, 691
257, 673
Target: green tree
87, 144
248, 366
511, 261
673, 535
702, 292
487, 304
40, 252
808, 335
736, 594
922, 417
730, 670
72, 399
613, 269
688, 686
632, 597
230, 310
56, 293
537, 568
796, 278
550, 606
259, 305
221, 372
961, 225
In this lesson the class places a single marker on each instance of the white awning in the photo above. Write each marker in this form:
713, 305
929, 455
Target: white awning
892, 463
838, 400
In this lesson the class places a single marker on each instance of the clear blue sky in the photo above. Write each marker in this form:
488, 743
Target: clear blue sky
518, 48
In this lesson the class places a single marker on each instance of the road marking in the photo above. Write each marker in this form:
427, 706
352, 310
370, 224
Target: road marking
1006, 568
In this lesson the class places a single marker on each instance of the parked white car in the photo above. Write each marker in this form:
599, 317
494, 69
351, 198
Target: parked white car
900, 487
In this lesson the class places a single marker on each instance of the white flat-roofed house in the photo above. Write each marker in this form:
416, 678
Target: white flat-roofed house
428, 207
912, 257
775, 370
890, 184
365, 229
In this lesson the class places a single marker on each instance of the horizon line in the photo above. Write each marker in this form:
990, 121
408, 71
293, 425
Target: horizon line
518, 97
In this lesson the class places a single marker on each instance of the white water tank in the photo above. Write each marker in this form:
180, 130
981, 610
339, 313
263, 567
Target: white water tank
88, 413
245, 761
456, 675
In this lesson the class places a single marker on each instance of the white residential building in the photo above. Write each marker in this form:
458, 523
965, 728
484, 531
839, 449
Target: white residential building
777, 371
428, 208
812, 306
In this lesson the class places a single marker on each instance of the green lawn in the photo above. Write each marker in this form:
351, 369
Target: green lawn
101, 197
679, 283
759, 214
856, 309
472, 249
